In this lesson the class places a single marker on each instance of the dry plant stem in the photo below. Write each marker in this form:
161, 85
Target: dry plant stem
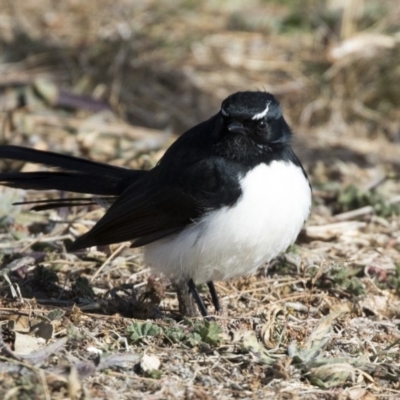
359, 212
187, 305
112, 256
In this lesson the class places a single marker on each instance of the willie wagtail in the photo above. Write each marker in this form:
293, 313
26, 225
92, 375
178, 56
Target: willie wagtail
227, 196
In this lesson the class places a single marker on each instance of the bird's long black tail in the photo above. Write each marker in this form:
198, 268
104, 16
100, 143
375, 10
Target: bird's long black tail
72, 174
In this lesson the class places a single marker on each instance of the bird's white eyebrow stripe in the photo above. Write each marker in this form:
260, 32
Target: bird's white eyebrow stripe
224, 113
263, 113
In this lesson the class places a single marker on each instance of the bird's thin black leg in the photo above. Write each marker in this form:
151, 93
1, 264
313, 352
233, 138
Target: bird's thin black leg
214, 296
197, 298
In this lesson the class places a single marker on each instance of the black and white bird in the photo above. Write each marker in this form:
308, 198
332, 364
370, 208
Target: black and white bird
227, 196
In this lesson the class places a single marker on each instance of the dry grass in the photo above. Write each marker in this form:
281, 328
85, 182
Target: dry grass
323, 321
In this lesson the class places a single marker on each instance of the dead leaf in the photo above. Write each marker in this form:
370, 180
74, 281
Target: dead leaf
45, 352
43, 329
270, 328
359, 394
26, 344
332, 375
320, 336
250, 343
19, 323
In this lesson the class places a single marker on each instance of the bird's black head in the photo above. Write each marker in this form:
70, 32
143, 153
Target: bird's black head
255, 118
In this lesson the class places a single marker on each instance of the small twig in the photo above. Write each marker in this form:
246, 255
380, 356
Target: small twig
359, 212
138, 273
354, 213
13, 291
389, 347
329, 231
376, 182
112, 256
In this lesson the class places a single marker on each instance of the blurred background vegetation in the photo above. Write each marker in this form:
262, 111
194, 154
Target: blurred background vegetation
168, 64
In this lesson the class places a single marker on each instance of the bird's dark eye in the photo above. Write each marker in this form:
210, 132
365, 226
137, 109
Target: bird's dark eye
262, 125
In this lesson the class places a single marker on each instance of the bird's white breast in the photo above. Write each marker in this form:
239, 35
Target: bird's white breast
236, 240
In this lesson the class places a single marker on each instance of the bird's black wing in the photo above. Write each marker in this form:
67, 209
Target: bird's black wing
164, 203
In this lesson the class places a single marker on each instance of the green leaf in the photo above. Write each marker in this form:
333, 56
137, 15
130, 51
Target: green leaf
141, 330
209, 331
175, 334
193, 339
352, 197
354, 286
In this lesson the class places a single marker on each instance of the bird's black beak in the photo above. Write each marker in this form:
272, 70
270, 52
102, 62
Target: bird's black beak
236, 127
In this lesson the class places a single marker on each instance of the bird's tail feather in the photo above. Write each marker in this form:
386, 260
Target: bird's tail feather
48, 204
73, 174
